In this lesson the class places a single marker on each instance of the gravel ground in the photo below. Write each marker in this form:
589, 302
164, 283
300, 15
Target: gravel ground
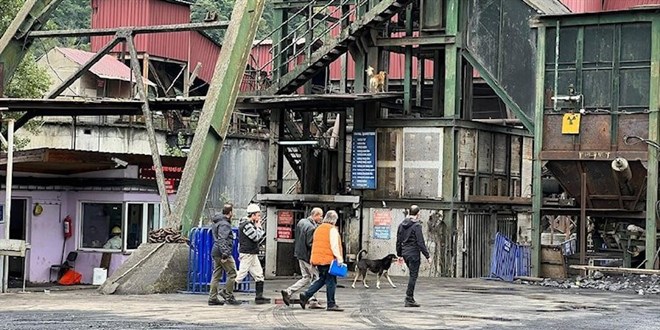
632, 284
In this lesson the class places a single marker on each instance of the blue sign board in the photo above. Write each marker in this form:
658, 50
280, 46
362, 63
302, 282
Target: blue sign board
363, 160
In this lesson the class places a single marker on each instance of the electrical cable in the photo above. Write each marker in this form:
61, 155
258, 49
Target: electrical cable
627, 138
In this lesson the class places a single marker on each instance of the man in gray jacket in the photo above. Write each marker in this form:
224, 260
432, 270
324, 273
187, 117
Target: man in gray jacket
223, 244
302, 252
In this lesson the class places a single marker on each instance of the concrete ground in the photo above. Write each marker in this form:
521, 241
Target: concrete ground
446, 304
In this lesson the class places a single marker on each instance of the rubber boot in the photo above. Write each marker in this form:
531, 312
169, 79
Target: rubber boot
259, 299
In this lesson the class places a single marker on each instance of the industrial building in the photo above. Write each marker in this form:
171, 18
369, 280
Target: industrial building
531, 118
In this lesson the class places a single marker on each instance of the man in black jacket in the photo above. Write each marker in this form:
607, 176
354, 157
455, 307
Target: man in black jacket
250, 235
223, 244
302, 251
409, 244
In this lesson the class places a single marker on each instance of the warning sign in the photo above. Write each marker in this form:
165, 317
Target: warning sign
285, 218
284, 232
382, 224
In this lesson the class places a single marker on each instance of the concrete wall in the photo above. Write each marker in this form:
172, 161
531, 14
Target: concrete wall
44, 232
379, 248
121, 139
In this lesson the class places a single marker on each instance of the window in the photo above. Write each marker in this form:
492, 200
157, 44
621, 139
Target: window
98, 222
118, 227
141, 218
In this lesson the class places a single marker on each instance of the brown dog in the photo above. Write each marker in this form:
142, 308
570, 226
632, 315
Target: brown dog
376, 80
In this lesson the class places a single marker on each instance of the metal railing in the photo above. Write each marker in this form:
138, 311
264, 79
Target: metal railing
311, 26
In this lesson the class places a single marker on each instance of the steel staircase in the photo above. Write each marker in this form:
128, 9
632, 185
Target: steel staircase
312, 42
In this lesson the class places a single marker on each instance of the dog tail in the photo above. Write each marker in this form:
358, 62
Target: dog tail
359, 256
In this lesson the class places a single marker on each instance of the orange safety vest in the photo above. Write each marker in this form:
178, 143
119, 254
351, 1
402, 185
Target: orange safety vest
321, 250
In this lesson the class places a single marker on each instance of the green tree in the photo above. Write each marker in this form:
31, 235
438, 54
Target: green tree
223, 9
29, 80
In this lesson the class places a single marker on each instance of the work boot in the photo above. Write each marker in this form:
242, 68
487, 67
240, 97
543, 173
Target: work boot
410, 302
231, 300
303, 300
286, 297
216, 302
259, 299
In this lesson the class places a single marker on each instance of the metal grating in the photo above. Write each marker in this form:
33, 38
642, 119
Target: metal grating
478, 232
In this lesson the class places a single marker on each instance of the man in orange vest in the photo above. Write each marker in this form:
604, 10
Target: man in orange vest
326, 247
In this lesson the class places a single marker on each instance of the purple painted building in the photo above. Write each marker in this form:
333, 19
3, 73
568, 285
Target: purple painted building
96, 193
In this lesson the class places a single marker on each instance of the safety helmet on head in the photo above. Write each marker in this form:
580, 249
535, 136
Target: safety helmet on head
253, 208
116, 230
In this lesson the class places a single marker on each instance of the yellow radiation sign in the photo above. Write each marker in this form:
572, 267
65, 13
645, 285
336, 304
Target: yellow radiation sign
571, 123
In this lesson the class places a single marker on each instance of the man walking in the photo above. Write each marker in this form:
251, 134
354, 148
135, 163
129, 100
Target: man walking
250, 235
326, 247
409, 244
223, 244
302, 252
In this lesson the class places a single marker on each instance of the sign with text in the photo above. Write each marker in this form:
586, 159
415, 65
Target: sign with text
172, 176
285, 218
363, 160
284, 232
382, 224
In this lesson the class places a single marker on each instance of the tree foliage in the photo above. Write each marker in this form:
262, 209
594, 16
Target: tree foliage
223, 8
29, 80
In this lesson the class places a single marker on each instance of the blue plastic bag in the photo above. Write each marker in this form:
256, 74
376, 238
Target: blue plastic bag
338, 270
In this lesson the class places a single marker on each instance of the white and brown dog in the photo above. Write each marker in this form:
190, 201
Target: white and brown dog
376, 80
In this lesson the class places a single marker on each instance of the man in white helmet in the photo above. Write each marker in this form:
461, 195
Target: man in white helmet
250, 235
114, 243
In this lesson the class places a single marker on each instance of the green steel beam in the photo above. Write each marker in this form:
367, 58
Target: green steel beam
506, 98
537, 196
216, 114
14, 43
602, 18
654, 135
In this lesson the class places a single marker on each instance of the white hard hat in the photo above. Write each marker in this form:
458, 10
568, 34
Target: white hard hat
253, 208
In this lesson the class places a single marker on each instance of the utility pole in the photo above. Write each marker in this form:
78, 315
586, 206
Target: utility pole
6, 211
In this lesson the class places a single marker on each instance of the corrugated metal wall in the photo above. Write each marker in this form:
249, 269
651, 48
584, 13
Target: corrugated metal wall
583, 6
625, 4
173, 45
115, 13
241, 172
205, 52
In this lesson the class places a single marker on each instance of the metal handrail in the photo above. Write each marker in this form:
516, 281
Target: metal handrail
350, 12
322, 34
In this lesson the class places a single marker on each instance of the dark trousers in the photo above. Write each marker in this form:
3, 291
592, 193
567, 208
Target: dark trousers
413, 265
229, 266
330, 282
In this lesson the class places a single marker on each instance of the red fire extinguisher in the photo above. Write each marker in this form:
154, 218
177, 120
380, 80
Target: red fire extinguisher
68, 227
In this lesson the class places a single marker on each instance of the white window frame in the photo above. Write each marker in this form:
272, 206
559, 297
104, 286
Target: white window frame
79, 227
124, 223
145, 222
